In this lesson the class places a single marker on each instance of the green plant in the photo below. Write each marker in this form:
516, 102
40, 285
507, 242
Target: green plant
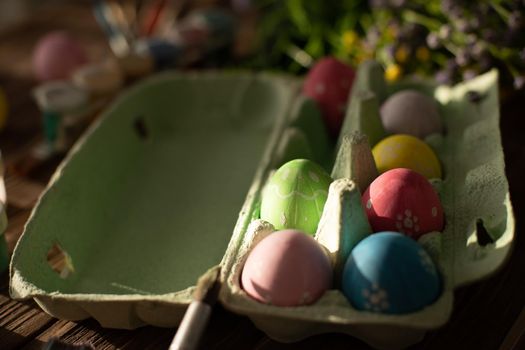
292, 33
448, 40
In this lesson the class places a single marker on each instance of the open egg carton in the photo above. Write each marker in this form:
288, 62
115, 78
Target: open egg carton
167, 186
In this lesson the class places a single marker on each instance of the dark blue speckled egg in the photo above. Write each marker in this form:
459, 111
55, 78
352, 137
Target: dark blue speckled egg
390, 273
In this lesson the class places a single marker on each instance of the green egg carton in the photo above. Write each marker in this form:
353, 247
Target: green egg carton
474, 192
167, 185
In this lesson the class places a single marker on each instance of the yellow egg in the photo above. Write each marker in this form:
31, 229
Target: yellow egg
405, 151
3, 109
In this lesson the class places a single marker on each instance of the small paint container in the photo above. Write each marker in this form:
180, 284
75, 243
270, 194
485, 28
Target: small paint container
99, 79
64, 107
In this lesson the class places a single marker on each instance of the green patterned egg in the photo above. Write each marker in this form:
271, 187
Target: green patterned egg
294, 197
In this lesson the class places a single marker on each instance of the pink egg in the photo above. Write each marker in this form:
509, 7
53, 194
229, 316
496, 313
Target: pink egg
56, 56
287, 268
329, 83
404, 201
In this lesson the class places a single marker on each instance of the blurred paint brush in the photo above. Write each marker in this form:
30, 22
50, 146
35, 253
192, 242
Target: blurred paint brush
153, 16
196, 317
177, 9
135, 17
118, 42
130, 9
118, 13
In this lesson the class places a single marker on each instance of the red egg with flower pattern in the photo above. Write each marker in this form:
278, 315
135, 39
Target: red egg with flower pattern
404, 201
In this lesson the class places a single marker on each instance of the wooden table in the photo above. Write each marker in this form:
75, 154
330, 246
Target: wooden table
486, 314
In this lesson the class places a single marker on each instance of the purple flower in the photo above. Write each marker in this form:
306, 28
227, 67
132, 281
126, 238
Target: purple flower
519, 82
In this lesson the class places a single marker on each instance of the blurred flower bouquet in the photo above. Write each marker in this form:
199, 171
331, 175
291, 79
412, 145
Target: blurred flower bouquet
448, 40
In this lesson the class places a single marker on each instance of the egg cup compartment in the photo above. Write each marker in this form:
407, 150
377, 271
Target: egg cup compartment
305, 136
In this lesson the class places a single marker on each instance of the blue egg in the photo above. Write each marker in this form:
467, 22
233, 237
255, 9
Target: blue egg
390, 273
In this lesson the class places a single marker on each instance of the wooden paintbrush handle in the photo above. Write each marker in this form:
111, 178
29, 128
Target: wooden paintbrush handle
192, 326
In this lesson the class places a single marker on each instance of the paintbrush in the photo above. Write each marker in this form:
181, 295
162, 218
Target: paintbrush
196, 317
121, 20
153, 17
118, 42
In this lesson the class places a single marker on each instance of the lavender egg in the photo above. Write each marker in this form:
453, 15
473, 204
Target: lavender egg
411, 112
390, 273
287, 268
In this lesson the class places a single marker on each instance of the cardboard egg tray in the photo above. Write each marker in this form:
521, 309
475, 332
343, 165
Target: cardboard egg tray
167, 186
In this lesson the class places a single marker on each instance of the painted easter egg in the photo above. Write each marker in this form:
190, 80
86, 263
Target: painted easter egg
404, 201
287, 268
329, 83
390, 273
57, 55
411, 112
295, 196
405, 151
